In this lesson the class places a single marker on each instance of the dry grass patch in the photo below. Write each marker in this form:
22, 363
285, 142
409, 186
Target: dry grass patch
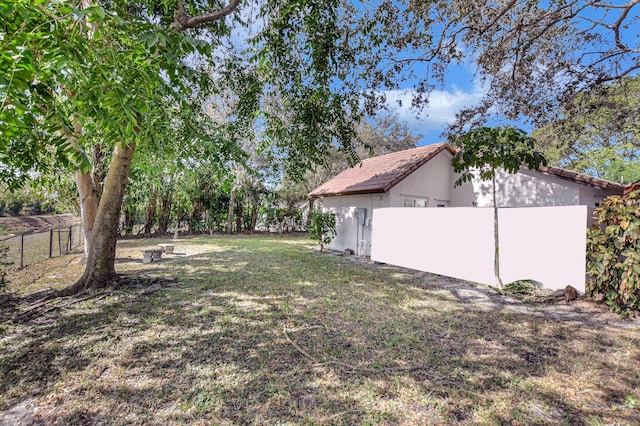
262, 330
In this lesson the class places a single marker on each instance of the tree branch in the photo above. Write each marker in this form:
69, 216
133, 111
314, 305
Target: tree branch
182, 21
616, 25
618, 76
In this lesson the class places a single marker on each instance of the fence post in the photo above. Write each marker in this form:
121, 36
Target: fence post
21, 251
59, 244
50, 242
69, 242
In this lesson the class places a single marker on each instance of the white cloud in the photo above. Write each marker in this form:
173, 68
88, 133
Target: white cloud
440, 111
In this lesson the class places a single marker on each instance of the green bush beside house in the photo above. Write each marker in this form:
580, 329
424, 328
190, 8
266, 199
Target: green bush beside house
613, 253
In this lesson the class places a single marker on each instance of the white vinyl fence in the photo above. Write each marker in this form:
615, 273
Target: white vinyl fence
546, 244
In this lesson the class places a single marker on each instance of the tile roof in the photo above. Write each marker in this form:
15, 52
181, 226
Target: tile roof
632, 187
379, 174
582, 178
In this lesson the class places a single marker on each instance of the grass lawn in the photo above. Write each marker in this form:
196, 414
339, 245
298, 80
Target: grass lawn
263, 330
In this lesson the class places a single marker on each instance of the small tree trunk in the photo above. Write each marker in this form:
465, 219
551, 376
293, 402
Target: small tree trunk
150, 214
232, 204
100, 269
496, 259
165, 213
254, 218
240, 217
129, 219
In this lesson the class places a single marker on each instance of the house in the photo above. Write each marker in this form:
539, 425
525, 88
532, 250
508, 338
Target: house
424, 177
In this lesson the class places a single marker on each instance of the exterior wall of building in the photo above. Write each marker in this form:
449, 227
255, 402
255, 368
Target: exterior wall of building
351, 234
592, 198
523, 189
429, 184
527, 188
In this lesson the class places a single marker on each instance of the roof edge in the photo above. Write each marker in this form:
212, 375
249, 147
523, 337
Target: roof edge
338, 194
582, 178
443, 145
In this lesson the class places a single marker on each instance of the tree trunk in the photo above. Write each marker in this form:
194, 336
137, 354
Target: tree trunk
129, 222
254, 218
150, 214
165, 213
86, 194
232, 204
100, 268
311, 207
240, 217
88, 210
496, 259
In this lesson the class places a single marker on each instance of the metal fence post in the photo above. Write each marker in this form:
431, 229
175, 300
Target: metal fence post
21, 251
50, 242
69, 242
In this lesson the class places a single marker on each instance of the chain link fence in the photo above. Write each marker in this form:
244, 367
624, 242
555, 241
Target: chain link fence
33, 247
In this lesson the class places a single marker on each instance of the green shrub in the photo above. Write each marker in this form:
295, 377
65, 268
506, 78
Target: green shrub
14, 207
613, 257
322, 228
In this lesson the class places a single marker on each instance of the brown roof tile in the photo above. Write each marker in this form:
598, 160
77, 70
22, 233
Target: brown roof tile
632, 187
379, 174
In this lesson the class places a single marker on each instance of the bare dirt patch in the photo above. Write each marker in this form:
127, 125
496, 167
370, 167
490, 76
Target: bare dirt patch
21, 224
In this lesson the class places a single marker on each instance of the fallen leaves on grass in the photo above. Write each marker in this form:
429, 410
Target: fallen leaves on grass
259, 330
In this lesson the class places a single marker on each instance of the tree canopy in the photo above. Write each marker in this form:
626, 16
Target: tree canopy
600, 133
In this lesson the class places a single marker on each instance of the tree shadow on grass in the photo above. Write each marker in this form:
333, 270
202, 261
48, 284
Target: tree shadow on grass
178, 372
266, 337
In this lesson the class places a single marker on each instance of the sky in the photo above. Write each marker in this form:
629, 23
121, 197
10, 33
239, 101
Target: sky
460, 90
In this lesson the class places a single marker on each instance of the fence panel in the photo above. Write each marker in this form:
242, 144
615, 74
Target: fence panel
30, 248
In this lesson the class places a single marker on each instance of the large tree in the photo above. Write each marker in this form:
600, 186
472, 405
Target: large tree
91, 82
85, 78
599, 134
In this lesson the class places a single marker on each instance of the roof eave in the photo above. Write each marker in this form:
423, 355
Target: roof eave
581, 178
338, 194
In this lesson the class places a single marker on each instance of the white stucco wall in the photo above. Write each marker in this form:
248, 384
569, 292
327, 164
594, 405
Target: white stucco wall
527, 188
432, 181
546, 244
349, 234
